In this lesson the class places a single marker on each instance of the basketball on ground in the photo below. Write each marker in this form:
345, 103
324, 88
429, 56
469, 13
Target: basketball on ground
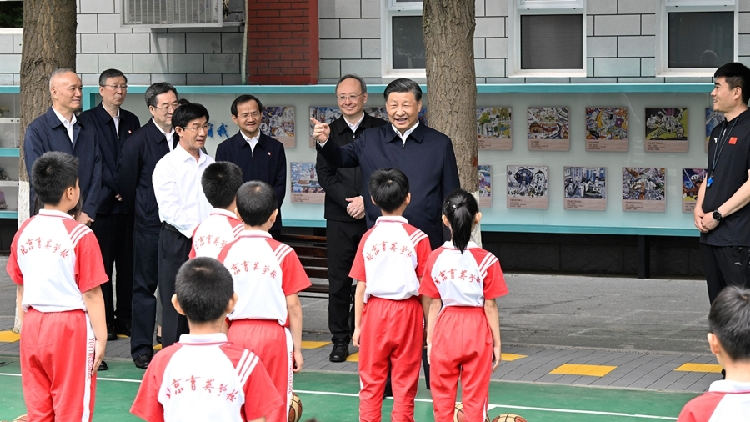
509, 417
295, 409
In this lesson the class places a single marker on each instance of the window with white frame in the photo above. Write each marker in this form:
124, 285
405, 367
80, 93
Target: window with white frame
547, 38
695, 37
402, 42
11, 15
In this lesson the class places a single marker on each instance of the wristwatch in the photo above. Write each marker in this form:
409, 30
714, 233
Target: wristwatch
718, 216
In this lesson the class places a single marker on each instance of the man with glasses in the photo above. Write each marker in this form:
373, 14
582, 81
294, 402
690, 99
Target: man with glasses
59, 130
182, 207
344, 210
260, 156
139, 156
113, 226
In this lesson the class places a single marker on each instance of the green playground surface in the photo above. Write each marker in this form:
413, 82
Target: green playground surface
332, 397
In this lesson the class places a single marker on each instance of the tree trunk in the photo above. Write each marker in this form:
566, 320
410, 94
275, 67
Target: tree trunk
49, 43
451, 81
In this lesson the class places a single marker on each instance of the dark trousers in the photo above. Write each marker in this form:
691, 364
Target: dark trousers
343, 239
115, 235
174, 249
145, 281
725, 266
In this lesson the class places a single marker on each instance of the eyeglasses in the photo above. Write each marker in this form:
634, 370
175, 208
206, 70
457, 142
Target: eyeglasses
254, 114
167, 107
198, 129
123, 87
351, 97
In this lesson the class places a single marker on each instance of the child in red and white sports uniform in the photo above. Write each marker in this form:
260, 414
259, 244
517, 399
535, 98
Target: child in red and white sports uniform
203, 377
220, 182
267, 277
58, 267
388, 316
461, 282
729, 339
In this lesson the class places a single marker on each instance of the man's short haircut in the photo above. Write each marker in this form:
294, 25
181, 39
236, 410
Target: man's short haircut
388, 188
185, 113
737, 75
362, 84
109, 74
729, 321
242, 99
52, 174
157, 89
203, 287
256, 202
220, 182
402, 85
58, 72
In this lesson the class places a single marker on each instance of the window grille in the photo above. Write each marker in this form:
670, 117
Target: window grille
173, 13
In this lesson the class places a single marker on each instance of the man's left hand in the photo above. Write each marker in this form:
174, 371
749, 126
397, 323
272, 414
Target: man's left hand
356, 207
709, 222
84, 219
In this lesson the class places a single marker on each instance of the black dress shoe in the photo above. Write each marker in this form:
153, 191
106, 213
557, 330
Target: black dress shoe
158, 339
340, 351
111, 334
142, 361
103, 366
123, 329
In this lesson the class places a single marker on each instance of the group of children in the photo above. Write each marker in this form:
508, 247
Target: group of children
239, 294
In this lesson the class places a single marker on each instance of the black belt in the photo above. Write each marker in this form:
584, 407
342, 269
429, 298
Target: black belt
170, 227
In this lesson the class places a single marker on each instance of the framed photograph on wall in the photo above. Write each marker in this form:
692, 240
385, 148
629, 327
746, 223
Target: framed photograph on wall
278, 122
607, 129
485, 186
494, 130
548, 128
713, 119
666, 130
644, 189
528, 187
305, 186
692, 179
585, 188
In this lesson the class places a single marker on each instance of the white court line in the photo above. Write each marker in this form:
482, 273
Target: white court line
491, 406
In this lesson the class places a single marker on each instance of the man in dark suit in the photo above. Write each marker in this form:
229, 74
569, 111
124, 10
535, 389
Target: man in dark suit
425, 155
135, 180
113, 226
260, 156
59, 130
344, 210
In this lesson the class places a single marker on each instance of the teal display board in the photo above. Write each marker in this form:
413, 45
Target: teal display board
575, 98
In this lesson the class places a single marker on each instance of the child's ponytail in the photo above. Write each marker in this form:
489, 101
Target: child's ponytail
460, 208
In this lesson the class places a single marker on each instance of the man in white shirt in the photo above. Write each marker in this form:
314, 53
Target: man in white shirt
182, 207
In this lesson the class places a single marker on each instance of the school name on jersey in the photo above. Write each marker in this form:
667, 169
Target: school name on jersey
209, 240
247, 266
206, 388
463, 275
42, 243
387, 248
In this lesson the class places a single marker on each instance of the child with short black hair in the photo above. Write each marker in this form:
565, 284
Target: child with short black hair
267, 275
220, 182
203, 376
461, 283
388, 316
58, 267
729, 339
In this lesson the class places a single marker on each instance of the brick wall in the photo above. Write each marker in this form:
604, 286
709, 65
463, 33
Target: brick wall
282, 41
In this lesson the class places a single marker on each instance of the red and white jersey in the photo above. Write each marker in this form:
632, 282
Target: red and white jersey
265, 272
725, 400
218, 230
205, 378
463, 279
391, 258
56, 259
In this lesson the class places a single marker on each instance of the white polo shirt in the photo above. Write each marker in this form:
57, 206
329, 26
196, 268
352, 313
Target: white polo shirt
214, 233
390, 259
